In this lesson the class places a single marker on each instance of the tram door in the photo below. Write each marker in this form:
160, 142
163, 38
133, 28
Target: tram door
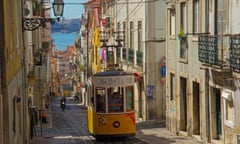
90, 108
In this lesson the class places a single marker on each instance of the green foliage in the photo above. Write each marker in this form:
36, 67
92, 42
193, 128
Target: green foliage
181, 33
82, 67
37, 8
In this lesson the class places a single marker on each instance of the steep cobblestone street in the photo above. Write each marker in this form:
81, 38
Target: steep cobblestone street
70, 127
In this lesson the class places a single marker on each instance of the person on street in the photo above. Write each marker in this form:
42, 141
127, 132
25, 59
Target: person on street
63, 103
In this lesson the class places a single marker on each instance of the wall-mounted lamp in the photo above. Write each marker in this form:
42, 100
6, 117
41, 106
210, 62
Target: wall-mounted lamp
33, 23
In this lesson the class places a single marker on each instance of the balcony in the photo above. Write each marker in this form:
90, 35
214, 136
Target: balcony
234, 53
213, 50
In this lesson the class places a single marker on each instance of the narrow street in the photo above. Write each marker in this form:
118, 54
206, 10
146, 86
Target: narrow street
70, 127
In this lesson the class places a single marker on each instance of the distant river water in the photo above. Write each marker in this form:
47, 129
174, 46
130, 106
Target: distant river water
62, 40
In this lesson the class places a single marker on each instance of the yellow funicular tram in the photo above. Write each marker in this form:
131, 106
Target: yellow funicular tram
111, 104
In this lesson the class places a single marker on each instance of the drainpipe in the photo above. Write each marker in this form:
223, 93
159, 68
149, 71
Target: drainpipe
1, 71
207, 106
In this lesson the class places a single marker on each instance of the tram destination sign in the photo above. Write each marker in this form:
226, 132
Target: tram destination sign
113, 81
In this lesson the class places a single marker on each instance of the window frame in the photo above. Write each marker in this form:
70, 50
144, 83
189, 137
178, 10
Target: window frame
183, 16
172, 86
140, 37
104, 94
131, 35
124, 33
126, 94
196, 16
227, 99
111, 91
172, 22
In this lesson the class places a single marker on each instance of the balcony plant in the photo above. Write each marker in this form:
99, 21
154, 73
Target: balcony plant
37, 9
181, 34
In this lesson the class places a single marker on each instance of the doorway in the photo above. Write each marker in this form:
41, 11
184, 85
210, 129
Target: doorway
216, 120
196, 109
183, 104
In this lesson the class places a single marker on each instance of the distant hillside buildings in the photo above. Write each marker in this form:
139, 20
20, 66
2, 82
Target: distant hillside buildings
66, 26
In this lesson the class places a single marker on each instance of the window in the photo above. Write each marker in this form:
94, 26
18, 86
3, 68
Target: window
131, 35
118, 26
140, 35
129, 98
172, 86
124, 33
115, 99
207, 11
228, 109
172, 30
221, 16
100, 100
183, 48
183, 20
195, 16
183, 29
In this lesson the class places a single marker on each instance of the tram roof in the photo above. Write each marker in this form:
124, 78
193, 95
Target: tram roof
113, 73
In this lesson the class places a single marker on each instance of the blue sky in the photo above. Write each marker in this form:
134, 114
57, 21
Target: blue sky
72, 8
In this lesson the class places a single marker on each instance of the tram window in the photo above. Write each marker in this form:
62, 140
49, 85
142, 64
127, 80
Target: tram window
115, 99
100, 100
129, 98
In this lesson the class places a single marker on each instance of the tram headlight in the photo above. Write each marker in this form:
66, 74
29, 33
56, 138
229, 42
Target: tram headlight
116, 124
101, 120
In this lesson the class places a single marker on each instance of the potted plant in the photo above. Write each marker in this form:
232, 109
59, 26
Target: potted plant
181, 34
37, 9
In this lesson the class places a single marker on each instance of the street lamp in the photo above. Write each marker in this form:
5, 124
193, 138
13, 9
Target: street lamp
58, 7
31, 24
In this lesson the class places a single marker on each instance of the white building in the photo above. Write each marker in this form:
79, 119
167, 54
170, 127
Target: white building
143, 52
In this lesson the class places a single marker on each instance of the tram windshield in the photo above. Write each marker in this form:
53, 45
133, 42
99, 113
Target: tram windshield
100, 96
115, 99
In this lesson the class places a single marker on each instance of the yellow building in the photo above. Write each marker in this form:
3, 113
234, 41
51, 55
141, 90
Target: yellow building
96, 67
12, 101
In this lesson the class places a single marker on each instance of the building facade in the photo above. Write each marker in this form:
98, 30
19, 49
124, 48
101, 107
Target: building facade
186, 86
202, 69
133, 42
12, 128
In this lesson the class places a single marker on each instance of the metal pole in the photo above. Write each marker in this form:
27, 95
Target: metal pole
39, 93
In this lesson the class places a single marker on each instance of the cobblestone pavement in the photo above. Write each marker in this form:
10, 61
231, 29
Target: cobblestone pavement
70, 127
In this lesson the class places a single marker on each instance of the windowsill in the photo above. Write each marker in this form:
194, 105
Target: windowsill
183, 61
172, 37
228, 123
195, 39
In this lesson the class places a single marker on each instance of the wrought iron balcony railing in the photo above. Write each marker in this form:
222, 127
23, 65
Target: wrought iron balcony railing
213, 50
234, 52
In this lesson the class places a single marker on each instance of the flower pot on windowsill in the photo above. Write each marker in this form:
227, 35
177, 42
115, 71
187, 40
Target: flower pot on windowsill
182, 37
